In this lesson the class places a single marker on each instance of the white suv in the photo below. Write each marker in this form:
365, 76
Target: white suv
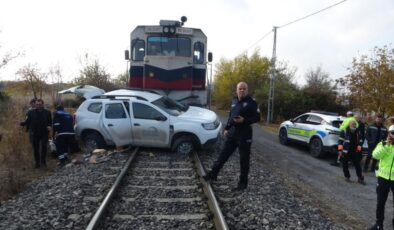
319, 130
142, 118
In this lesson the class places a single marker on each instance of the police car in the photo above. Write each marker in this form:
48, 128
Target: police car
319, 130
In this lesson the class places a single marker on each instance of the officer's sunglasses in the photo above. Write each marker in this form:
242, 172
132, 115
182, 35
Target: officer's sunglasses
391, 132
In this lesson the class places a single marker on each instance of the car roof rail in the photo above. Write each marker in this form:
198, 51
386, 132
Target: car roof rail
117, 97
142, 90
325, 112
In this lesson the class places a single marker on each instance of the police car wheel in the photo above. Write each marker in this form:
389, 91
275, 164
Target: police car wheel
93, 141
283, 136
316, 147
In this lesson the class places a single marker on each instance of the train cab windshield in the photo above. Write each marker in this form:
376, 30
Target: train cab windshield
169, 46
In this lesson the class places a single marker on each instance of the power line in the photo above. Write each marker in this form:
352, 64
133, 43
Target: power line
289, 23
260, 39
309, 15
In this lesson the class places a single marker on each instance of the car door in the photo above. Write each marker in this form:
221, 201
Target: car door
117, 123
296, 130
315, 125
150, 126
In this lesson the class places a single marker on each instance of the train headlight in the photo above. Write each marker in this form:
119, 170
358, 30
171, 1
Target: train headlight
169, 29
151, 74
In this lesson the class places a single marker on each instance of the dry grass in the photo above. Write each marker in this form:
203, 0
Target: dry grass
16, 154
271, 128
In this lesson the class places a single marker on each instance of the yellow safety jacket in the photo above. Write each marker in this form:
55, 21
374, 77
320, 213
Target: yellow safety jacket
346, 122
385, 154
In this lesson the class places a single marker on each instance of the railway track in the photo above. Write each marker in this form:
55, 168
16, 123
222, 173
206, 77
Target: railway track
159, 190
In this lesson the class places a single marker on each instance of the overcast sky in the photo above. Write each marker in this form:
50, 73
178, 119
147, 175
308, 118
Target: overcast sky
61, 31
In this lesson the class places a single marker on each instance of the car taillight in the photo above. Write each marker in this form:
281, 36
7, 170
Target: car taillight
335, 132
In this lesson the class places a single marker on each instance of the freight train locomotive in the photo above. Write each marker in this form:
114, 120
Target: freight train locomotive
171, 60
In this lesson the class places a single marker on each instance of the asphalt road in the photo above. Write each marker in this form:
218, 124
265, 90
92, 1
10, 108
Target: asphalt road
350, 203
323, 185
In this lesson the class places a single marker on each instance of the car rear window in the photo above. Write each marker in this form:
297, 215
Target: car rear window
336, 123
95, 107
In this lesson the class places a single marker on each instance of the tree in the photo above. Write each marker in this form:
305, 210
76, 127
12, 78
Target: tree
34, 78
320, 93
7, 56
55, 74
288, 97
94, 74
370, 82
253, 70
121, 80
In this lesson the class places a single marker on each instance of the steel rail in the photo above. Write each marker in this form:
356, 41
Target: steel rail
213, 204
100, 211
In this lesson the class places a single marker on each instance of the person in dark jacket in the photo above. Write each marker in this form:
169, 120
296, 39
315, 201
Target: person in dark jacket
63, 133
39, 121
349, 148
23, 123
238, 133
349, 117
361, 126
376, 133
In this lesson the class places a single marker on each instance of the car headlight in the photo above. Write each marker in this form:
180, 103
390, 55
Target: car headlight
211, 125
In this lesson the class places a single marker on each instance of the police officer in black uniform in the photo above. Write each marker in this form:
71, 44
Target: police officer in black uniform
238, 132
376, 133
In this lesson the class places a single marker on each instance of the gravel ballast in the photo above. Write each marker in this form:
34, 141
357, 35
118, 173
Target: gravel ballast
68, 198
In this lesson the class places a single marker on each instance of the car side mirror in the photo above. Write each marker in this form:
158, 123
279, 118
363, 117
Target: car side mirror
292, 120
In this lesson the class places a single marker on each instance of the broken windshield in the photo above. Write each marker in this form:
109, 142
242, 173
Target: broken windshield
170, 106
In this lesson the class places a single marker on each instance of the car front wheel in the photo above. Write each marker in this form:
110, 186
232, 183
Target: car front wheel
184, 145
316, 147
283, 136
93, 141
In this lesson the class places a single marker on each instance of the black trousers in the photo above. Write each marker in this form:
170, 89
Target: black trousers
63, 144
369, 157
382, 190
40, 144
355, 158
230, 145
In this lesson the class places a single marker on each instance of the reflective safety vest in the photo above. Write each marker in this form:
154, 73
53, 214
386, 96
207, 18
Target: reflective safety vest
385, 154
346, 122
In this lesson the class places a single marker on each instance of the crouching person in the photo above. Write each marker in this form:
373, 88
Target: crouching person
63, 133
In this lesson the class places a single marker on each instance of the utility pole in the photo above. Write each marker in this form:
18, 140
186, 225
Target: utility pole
210, 87
270, 110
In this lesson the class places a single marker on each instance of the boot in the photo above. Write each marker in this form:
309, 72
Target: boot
361, 181
240, 187
376, 227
